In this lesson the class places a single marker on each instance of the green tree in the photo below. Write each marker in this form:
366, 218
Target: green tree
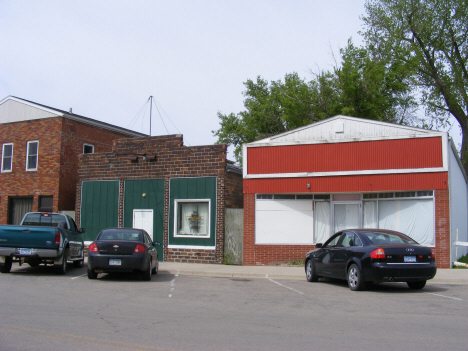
430, 39
363, 86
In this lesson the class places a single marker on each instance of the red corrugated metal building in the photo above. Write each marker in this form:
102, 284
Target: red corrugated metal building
304, 185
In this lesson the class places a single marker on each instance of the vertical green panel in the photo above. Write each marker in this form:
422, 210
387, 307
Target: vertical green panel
193, 188
99, 206
153, 199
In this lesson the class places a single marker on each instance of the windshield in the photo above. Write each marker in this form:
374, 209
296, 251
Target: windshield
377, 238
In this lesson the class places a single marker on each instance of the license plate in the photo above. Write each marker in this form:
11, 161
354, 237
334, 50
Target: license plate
25, 251
114, 262
410, 259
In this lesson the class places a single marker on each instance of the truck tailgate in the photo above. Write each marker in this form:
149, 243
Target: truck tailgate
27, 237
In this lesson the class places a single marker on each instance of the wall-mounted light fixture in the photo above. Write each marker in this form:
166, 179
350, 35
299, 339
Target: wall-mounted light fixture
308, 185
144, 194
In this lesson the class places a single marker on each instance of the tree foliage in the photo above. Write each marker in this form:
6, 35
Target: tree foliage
430, 39
364, 85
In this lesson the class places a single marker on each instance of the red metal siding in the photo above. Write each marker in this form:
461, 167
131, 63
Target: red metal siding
354, 156
359, 183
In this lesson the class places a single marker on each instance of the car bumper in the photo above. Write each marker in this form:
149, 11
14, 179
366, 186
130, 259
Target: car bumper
404, 272
35, 253
128, 263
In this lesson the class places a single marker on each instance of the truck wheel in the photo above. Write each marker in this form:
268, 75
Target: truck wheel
6, 267
62, 269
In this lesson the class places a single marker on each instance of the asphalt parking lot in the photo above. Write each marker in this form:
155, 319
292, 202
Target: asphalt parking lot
182, 311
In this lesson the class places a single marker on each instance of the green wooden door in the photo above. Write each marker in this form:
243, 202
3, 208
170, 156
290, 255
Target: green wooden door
141, 195
99, 207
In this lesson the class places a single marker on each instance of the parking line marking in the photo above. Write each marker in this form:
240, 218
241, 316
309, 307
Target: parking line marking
447, 297
78, 276
287, 287
171, 290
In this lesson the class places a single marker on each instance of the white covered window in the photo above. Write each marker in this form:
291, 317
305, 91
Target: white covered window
284, 219
32, 155
7, 157
414, 217
192, 218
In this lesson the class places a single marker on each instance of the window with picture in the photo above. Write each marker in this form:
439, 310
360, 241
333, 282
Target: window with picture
32, 155
192, 218
7, 157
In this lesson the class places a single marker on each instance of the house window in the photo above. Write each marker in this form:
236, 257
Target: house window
88, 149
32, 154
46, 203
193, 218
7, 157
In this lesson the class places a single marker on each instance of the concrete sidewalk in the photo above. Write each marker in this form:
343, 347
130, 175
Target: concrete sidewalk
459, 276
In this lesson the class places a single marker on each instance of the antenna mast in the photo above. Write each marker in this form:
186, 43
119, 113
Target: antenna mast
151, 110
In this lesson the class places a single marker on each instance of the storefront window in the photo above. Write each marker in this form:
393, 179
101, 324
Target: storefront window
192, 218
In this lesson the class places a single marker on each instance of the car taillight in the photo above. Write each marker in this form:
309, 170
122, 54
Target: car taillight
432, 252
57, 237
139, 248
379, 253
93, 247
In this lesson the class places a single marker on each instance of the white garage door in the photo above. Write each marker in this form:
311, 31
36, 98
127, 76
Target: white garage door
279, 221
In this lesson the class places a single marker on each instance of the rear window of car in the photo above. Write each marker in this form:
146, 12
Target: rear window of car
126, 235
43, 219
377, 238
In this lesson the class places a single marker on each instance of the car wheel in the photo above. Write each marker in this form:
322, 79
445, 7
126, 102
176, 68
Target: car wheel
311, 274
79, 263
6, 267
416, 285
62, 268
91, 274
147, 273
355, 279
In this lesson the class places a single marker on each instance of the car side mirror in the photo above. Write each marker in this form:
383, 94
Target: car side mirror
81, 230
156, 243
318, 245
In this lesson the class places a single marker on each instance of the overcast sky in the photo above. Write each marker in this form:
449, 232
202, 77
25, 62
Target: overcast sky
105, 58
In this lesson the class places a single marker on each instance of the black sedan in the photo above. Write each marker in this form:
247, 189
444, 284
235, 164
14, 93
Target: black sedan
123, 250
371, 255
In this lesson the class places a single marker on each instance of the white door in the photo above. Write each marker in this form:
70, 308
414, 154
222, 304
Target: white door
143, 219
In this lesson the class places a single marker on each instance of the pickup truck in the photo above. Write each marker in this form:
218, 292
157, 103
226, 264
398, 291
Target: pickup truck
48, 238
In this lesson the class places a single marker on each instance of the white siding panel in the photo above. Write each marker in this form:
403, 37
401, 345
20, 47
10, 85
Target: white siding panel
458, 205
14, 111
352, 128
287, 222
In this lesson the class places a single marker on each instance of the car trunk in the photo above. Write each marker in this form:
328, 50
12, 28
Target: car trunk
116, 247
407, 254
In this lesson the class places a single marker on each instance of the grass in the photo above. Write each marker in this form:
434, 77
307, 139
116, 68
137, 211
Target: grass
463, 259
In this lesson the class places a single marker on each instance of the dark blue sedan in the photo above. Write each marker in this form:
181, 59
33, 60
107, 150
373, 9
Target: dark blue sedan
123, 250
361, 256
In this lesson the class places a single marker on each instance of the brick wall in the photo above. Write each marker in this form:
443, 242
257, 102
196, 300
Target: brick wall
74, 135
442, 223
163, 157
234, 190
44, 181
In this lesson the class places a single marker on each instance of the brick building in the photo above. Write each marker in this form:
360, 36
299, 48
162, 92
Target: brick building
39, 155
304, 185
178, 194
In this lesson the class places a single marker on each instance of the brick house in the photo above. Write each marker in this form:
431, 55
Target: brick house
344, 172
39, 155
178, 194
